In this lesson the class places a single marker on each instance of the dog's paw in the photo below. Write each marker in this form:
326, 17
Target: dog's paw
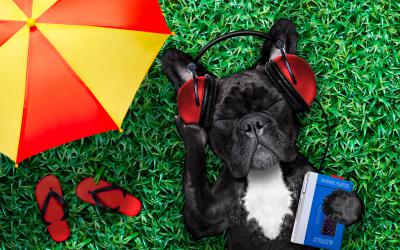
343, 207
193, 135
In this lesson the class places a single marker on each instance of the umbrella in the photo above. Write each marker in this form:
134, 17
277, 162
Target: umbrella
71, 68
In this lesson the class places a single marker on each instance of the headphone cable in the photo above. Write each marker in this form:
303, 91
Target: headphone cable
328, 133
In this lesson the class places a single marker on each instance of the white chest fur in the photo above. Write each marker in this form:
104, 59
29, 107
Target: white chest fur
267, 200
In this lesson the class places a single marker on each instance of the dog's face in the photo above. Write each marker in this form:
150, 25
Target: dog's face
253, 126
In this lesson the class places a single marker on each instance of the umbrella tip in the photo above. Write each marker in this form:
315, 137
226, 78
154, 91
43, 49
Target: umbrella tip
16, 165
31, 22
173, 33
121, 130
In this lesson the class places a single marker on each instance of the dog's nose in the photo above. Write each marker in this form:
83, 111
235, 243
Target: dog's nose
252, 125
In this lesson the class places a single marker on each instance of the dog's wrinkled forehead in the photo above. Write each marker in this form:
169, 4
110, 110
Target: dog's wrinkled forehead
251, 89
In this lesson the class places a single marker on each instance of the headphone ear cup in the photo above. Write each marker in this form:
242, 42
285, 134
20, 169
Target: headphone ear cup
285, 88
189, 112
300, 95
210, 94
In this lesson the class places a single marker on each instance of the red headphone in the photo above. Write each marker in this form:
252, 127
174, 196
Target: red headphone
291, 74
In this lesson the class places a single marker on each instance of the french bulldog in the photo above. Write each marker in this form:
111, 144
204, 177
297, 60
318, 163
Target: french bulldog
253, 132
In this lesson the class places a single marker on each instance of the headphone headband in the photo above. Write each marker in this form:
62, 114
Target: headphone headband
230, 35
279, 44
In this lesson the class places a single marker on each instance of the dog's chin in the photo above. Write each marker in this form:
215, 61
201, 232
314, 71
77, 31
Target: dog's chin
263, 158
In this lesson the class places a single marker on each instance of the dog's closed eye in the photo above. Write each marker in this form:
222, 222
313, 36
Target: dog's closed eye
272, 108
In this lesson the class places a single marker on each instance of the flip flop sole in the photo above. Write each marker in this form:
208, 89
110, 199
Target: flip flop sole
58, 229
128, 205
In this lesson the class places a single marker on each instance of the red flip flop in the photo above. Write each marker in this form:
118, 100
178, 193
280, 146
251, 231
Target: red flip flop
53, 208
106, 195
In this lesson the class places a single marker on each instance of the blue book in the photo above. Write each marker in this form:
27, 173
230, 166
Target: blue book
311, 227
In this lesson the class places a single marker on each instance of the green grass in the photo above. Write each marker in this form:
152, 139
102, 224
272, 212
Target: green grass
354, 48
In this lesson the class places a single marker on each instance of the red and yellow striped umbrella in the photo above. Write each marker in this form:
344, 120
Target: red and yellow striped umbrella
71, 68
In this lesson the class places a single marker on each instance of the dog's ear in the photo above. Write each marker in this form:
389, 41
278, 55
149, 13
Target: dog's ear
174, 64
286, 31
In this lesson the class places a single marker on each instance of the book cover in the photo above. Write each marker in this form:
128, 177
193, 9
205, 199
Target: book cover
311, 227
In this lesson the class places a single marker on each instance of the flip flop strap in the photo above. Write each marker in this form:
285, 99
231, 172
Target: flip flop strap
99, 202
58, 198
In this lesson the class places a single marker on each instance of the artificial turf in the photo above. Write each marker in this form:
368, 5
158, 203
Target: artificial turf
354, 48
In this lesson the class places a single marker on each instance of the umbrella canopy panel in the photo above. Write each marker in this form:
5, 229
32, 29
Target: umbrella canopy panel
71, 68
12, 93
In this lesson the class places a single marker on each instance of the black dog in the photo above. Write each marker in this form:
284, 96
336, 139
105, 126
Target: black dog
253, 131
